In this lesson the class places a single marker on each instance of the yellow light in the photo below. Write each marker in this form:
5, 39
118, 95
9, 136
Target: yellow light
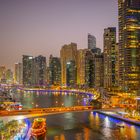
133, 27
134, 11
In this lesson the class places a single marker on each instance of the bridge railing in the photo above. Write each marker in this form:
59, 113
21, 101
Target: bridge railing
45, 110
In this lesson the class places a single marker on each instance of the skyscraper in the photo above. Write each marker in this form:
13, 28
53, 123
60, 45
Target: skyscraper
40, 70
129, 45
109, 57
91, 41
68, 53
48, 76
98, 70
28, 70
54, 70
2, 72
117, 65
71, 73
18, 73
9, 76
81, 76
89, 68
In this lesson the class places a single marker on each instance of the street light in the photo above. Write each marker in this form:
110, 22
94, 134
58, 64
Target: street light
36, 105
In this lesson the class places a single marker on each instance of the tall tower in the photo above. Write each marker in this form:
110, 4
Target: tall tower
28, 67
40, 70
71, 73
18, 73
109, 56
54, 70
98, 70
2, 72
9, 76
129, 45
81, 75
91, 41
117, 65
89, 69
68, 53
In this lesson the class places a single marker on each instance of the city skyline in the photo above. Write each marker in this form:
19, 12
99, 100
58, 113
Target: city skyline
79, 77
27, 26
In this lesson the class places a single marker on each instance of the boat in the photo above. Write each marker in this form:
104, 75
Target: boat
38, 130
16, 106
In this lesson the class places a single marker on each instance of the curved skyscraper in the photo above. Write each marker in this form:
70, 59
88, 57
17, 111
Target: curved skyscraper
91, 41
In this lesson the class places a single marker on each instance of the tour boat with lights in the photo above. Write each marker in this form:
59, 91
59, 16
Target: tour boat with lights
17, 106
38, 129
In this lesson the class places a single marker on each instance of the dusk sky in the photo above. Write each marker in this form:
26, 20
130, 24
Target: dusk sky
34, 27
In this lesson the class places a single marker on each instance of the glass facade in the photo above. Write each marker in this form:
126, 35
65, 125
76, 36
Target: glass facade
54, 70
129, 44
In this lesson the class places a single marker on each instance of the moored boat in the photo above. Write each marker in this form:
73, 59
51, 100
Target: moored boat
38, 129
17, 106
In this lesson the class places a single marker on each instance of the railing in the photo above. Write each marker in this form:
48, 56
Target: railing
45, 110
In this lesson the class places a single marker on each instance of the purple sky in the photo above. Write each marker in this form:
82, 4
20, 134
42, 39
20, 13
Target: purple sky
36, 27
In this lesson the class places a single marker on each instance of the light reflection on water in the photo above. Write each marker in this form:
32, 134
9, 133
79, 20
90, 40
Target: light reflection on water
89, 126
48, 99
80, 125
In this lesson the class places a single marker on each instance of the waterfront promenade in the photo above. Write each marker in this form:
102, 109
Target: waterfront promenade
113, 114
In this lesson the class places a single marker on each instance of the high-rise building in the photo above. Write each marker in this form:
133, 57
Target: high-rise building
81, 76
71, 73
54, 70
117, 65
9, 76
129, 45
28, 70
18, 73
40, 70
48, 76
96, 50
89, 69
91, 41
98, 70
2, 72
109, 57
68, 53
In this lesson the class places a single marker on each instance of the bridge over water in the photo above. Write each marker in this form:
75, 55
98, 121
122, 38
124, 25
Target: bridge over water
44, 111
